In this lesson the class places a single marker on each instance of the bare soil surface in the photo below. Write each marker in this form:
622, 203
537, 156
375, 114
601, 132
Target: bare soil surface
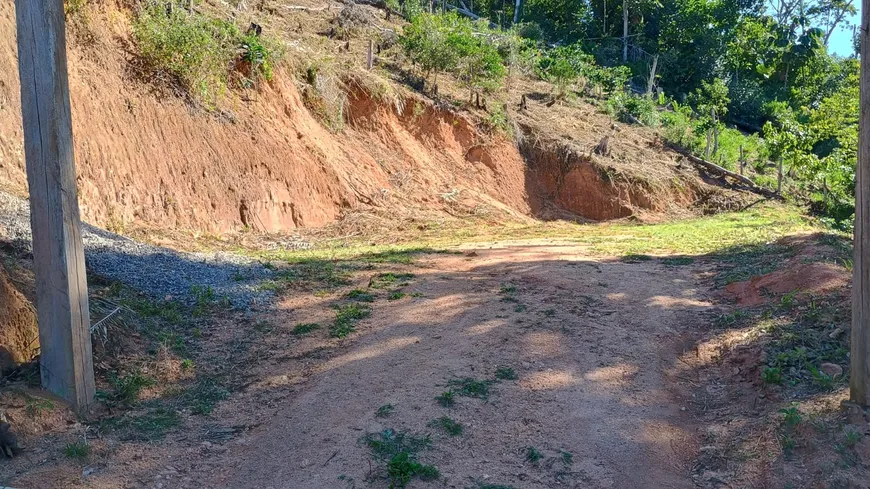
594, 344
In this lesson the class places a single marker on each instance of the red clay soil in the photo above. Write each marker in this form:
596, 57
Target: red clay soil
808, 273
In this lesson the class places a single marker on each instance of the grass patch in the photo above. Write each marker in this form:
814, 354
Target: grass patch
360, 296
77, 449
505, 373
470, 387
202, 397
635, 258
203, 54
304, 328
399, 450
125, 388
533, 455
36, 406
386, 280
448, 425
384, 411
346, 316
148, 425
395, 296
446, 398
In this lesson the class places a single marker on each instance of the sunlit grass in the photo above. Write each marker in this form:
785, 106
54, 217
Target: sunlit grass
759, 225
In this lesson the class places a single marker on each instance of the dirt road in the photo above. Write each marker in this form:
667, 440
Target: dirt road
591, 341
562, 367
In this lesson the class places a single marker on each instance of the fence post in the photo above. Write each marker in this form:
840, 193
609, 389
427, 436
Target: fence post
66, 361
370, 58
741, 160
779, 176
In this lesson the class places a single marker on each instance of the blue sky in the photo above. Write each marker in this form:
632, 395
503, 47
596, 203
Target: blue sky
841, 40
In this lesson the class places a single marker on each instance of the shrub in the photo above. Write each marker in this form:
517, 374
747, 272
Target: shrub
199, 51
628, 107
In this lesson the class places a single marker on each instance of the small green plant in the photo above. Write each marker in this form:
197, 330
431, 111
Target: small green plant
384, 411
791, 416
852, 438
771, 375
403, 466
567, 458
520, 308
385, 280
36, 406
533, 455
203, 397
508, 289
505, 373
126, 388
788, 443
187, 364
446, 398
470, 387
395, 296
77, 449
304, 328
449, 425
361, 296
787, 300
345, 318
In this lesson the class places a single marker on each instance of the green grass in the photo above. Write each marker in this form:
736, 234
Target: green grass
448, 425
36, 406
304, 328
395, 296
125, 388
446, 399
470, 387
346, 316
384, 411
389, 279
202, 397
400, 450
360, 296
505, 373
77, 449
533, 455
149, 425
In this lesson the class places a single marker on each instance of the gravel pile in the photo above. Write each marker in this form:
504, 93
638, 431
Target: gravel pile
159, 272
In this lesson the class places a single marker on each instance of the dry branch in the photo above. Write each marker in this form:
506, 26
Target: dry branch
718, 170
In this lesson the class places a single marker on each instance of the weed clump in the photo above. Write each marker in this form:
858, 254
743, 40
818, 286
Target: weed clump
202, 54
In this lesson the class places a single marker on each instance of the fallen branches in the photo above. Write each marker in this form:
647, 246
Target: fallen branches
718, 170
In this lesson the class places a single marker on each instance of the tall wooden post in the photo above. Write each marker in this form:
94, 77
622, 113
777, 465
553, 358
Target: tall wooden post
58, 256
741, 159
779, 176
370, 56
860, 357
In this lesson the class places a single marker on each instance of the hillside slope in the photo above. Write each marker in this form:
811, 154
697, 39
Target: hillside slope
147, 157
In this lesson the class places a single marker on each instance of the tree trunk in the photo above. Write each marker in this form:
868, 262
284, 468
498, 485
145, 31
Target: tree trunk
624, 31
517, 8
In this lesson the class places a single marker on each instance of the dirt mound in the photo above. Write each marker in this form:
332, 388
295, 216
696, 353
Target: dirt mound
19, 336
810, 272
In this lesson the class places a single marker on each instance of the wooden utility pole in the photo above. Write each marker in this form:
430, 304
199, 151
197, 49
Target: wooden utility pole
859, 391
58, 257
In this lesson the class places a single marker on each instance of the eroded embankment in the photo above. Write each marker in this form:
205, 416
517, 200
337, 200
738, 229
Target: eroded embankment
145, 157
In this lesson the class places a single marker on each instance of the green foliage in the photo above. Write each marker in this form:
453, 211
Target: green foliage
533, 455
505, 373
346, 316
628, 107
304, 328
77, 449
455, 44
403, 466
200, 52
202, 397
449, 425
446, 399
